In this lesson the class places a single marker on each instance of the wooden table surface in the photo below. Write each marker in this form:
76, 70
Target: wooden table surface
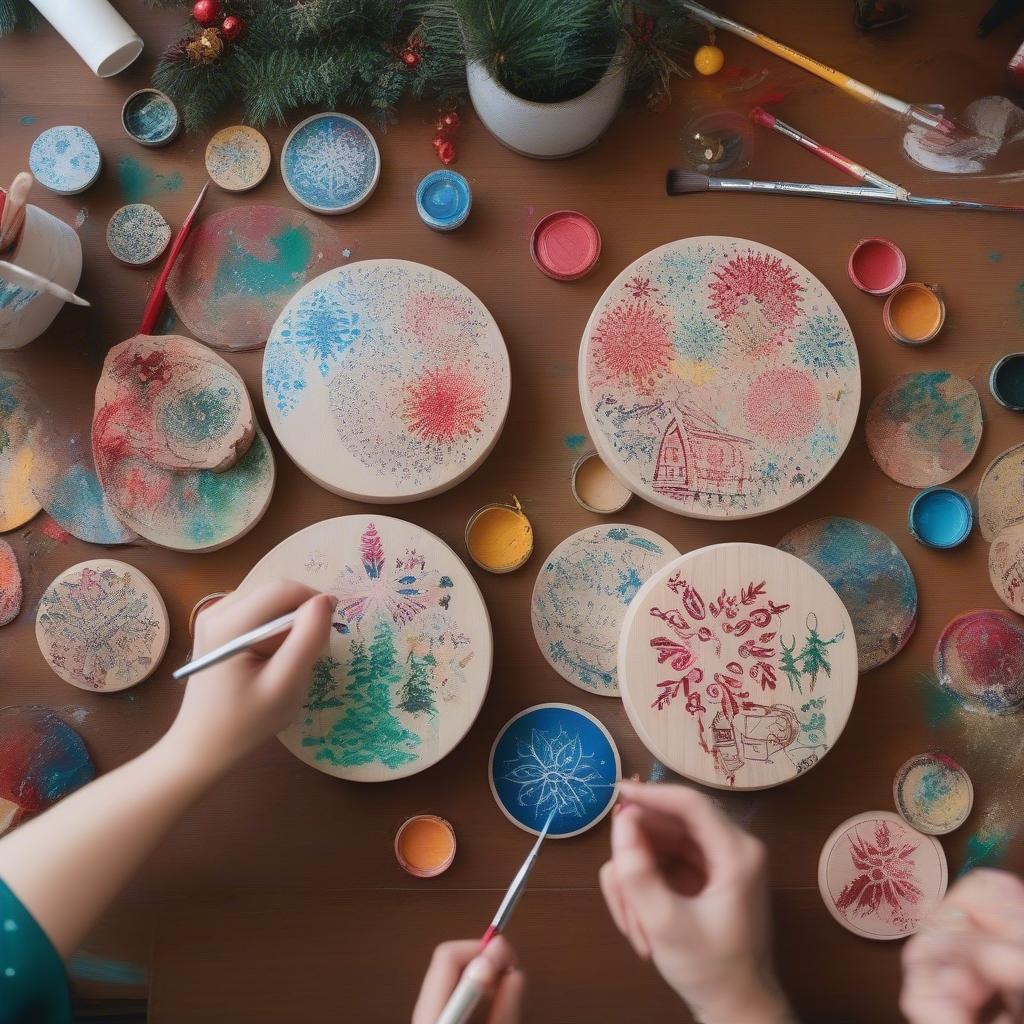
278, 898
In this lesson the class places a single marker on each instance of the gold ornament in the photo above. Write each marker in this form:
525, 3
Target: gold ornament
205, 47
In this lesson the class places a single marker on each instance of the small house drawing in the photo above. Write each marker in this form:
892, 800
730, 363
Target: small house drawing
696, 458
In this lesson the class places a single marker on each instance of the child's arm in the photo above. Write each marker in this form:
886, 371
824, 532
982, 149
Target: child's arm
69, 864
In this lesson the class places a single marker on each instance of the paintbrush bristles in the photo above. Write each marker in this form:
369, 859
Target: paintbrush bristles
678, 183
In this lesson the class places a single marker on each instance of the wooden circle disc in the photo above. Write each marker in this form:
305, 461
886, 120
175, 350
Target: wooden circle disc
102, 625
18, 422
554, 758
933, 793
1006, 567
719, 378
924, 428
581, 595
138, 234
738, 666
386, 381
1001, 493
237, 158
979, 660
410, 649
12, 588
879, 877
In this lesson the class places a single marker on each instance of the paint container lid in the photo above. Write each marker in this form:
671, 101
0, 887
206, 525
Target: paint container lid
877, 266
519, 555
933, 794
914, 313
65, 159
425, 845
596, 488
137, 234
150, 118
443, 200
1006, 381
566, 245
940, 517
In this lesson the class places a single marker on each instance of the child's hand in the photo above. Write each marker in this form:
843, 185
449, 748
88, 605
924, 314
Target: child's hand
688, 889
969, 955
231, 708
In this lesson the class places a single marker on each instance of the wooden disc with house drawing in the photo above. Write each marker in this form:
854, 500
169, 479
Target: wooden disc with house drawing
738, 666
409, 659
719, 378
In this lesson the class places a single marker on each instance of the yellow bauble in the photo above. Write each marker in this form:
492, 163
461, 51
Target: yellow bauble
708, 60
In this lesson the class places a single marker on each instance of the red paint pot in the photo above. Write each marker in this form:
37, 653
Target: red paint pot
877, 266
565, 245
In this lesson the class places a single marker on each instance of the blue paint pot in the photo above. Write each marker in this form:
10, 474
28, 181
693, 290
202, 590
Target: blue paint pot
150, 118
443, 200
1006, 381
941, 517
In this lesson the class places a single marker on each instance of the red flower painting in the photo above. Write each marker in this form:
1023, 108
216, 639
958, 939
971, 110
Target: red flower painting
633, 340
444, 404
886, 881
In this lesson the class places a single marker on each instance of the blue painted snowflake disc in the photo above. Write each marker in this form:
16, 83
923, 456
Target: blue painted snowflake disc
65, 159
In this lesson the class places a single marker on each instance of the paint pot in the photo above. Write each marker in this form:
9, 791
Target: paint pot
566, 245
425, 846
933, 794
443, 200
914, 313
1006, 381
237, 158
940, 517
877, 266
596, 488
499, 538
137, 234
200, 606
150, 118
65, 159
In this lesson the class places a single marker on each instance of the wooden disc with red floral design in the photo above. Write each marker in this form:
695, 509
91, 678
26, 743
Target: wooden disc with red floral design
879, 877
738, 666
719, 378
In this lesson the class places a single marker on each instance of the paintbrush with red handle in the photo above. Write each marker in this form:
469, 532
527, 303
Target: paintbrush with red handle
156, 297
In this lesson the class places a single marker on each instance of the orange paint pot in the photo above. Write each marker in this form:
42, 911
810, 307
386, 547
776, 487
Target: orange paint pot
914, 313
425, 846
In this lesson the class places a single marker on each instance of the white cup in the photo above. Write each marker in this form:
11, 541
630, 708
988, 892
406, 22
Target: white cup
99, 35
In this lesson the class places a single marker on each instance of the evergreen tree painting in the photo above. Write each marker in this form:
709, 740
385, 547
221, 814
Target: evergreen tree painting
788, 664
812, 655
324, 692
418, 693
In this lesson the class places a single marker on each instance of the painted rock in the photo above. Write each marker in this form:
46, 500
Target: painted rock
10, 584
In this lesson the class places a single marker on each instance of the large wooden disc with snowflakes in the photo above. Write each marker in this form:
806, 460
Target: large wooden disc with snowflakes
410, 650
386, 381
719, 378
738, 666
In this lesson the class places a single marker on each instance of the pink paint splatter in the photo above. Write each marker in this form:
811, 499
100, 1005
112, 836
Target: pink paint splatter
52, 529
444, 404
634, 340
782, 404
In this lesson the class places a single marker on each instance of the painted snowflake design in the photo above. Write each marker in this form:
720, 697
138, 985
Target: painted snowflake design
444, 404
322, 329
553, 774
886, 881
633, 340
821, 345
331, 162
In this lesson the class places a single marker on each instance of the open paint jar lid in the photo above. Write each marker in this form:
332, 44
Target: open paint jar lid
941, 517
566, 245
150, 118
914, 313
596, 488
1006, 381
443, 200
425, 846
877, 266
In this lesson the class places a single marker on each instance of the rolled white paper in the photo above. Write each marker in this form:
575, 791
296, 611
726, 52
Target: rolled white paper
98, 34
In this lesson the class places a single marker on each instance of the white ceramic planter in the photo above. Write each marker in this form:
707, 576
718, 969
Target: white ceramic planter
546, 130
100, 36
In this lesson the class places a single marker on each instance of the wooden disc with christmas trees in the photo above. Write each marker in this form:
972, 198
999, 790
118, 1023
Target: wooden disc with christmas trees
409, 659
738, 666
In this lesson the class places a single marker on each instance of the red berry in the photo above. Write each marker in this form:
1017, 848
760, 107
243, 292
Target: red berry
206, 12
410, 58
446, 153
232, 27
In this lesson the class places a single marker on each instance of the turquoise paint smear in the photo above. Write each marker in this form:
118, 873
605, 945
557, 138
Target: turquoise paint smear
994, 257
575, 441
242, 273
939, 704
27, 119
139, 182
91, 968
987, 847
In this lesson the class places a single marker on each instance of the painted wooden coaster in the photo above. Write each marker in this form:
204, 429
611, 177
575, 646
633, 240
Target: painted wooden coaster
924, 428
1006, 567
410, 650
42, 759
330, 163
871, 577
979, 660
137, 234
581, 595
719, 378
1001, 493
933, 794
240, 267
554, 758
11, 587
237, 158
65, 159
738, 666
880, 878
102, 625
18, 421
386, 381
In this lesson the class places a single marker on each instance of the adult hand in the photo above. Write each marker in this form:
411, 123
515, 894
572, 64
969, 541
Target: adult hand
968, 957
688, 889
495, 969
231, 708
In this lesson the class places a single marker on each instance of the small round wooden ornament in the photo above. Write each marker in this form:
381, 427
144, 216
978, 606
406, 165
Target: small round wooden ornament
933, 793
137, 234
237, 158
65, 159
1001, 493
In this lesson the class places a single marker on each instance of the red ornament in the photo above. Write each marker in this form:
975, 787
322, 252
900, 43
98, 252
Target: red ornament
450, 122
206, 12
232, 27
446, 153
410, 58
440, 139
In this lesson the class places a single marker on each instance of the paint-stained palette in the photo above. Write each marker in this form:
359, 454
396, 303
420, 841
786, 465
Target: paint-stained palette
137, 234
386, 381
880, 878
410, 650
924, 428
102, 625
581, 596
933, 793
18, 419
554, 758
979, 660
242, 265
11, 587
719, 378
871, 577
1006, 567
1001, 493
237, 158
738, 666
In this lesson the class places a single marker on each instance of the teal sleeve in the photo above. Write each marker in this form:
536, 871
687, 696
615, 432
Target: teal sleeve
33, 985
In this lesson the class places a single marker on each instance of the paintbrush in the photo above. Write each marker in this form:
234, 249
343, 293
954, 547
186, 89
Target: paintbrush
13, 215
241, 643
678, 183
468, 993
156, 298
25, 277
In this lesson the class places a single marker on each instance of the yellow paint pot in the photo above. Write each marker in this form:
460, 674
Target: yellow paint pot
499, 538
914, 313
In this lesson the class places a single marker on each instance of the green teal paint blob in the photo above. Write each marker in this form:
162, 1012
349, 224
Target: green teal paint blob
138, 182
27, 119
940, 517
222, 498
994, 257
86, 967
241, 272
940, 705
985, 848
575, 441
200, 415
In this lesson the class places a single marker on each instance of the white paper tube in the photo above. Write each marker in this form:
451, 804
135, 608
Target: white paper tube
98, 34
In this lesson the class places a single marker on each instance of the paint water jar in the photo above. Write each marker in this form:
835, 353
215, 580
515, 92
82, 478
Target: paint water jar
48, 247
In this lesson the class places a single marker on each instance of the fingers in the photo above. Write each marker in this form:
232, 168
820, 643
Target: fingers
645, 894
449, 961
293, 661
239, 613
625, 920
990, 899
508, 1000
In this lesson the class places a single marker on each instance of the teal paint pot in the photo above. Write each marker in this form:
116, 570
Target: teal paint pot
1006, 381
940, 517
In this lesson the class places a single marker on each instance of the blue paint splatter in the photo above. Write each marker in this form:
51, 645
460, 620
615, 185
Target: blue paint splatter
994, 257
139, 182
985, 848
575, 441
27, 119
